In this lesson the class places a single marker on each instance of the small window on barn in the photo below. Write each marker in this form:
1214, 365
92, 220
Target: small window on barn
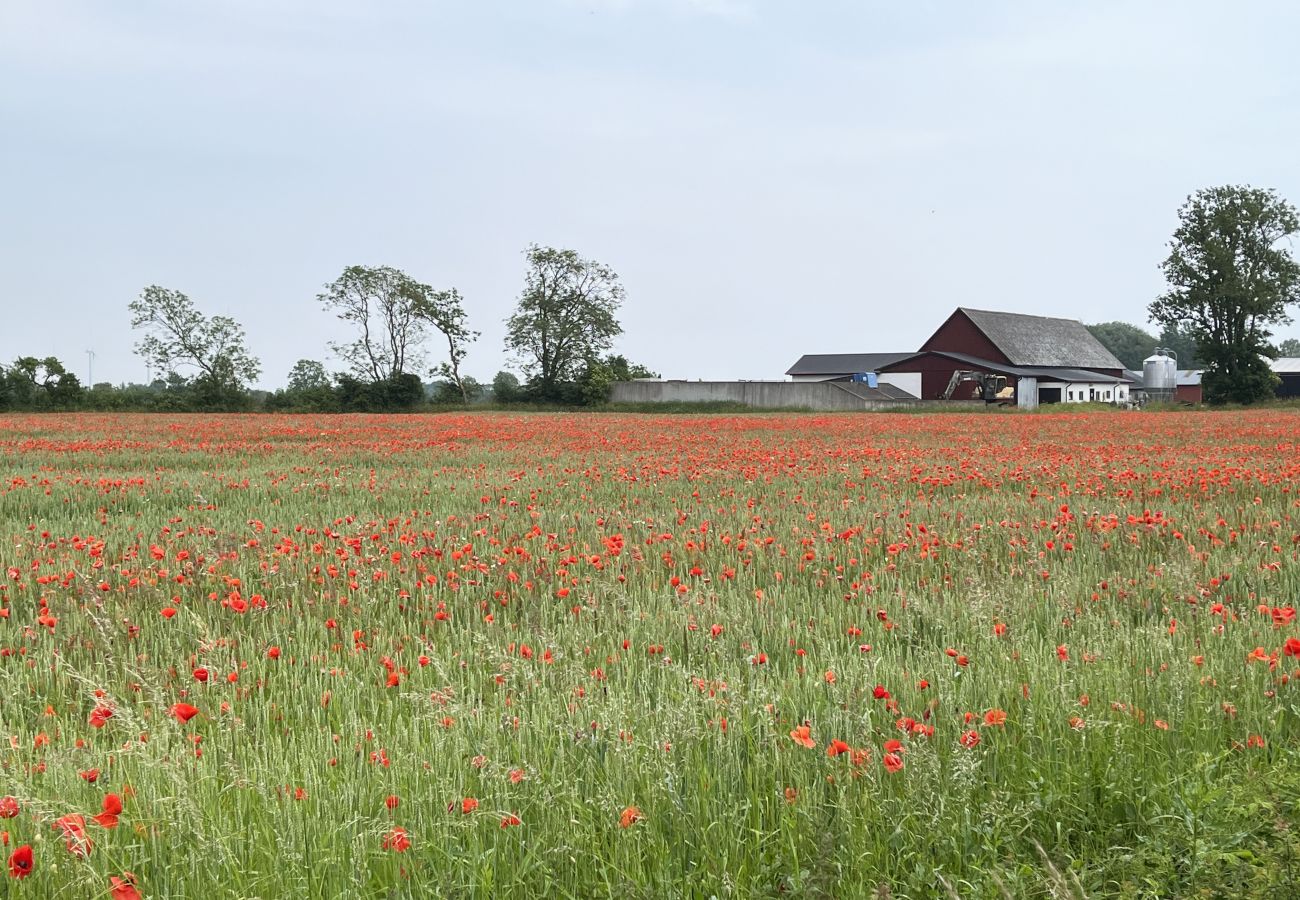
1108, 395
1069, 395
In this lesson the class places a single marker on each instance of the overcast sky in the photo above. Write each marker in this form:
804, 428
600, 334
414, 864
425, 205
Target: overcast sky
768, 178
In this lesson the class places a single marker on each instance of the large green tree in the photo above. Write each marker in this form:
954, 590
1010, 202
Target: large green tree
1230, 279
33, 383
177, 334
564, 319
1178, 338
1129, 344
392, 313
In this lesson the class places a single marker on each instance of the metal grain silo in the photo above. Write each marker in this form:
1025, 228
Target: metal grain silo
1160, 375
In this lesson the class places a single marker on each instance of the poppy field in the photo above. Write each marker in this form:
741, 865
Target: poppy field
957, 655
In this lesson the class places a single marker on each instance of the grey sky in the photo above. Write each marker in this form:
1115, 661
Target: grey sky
768, 178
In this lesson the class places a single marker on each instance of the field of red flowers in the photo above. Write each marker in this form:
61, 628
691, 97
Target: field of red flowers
974, 655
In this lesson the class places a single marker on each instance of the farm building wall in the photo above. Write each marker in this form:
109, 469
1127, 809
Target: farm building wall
934, 373
959, 335
823, 397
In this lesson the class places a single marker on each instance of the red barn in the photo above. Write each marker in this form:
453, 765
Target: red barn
1047, 360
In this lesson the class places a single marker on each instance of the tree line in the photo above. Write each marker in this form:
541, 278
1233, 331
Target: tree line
1230, 280
560, 336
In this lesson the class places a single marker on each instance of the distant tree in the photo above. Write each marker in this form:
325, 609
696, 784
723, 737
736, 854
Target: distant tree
565, 317
1289, 348
308, 387
34, 383
177, 334
1128, 343
505, 387
472, 390
1229, 280
446, 314
307, 375
392, 312
401, 393
601, 374
1180, 340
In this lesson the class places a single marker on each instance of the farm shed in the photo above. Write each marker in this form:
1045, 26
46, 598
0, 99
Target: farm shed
1288, 369
843, 366
1033, 384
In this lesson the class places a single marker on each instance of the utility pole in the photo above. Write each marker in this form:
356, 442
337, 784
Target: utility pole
90, 369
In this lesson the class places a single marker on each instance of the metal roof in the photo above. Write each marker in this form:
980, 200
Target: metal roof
883, 392
843, 363
1183, 378
1042, 341
1286, 365
1042, 373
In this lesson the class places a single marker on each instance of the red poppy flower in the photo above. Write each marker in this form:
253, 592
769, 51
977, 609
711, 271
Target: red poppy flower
20, 862
8, 807
72, 828
123, 888
837, 747
893, 762
184, 712
629, 817
100, 715
510, 821
112, 808
396, 840
802, 737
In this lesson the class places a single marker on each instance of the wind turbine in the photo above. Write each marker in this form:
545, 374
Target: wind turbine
90, 368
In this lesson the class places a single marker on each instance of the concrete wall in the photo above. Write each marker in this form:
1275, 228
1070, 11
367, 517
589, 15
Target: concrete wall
821, 396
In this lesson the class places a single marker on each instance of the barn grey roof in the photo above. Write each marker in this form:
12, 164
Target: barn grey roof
843, 363
1286, 365
1041, 341
1042, 373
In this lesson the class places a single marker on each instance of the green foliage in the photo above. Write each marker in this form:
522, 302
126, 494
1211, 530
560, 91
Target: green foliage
449, 393
177, 334
1289, 348
400, 393
505, 387
1179, 339
393, 313
565, 317
309, 389
1129, 344
1229, 281
599, 375
32, 383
